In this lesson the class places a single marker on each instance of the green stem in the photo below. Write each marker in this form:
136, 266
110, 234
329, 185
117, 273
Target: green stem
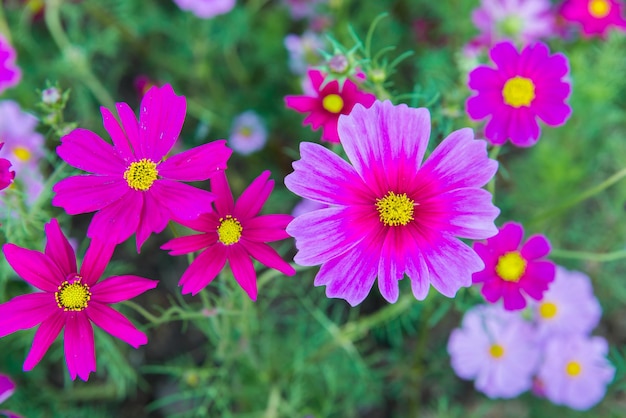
491, 186
583, 255
4, 26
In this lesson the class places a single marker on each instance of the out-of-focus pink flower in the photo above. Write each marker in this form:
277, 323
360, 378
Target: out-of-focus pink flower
206, 9
595, 17
23, 145
304, 9
6, 174
10, 73
248, 133
7, 387
304, 51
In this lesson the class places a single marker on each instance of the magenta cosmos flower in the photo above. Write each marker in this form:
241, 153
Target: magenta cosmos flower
134, 187
206, 9
595, 17
10, 74
388, 214
523, 87
575, 370
234, 233
6, 174
70, 299
511, 272
496, 349
327, 103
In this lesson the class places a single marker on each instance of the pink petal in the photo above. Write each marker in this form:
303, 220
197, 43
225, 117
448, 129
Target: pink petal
96, 259
506, 58
190, 243
44, 337
85, 150
115, 324
417, 270
268, 256
254, 197
207, 222
483, 104
131, 128
26, 311
84, 194
508, 239
523, 128
7, 387
302, 104
536, 246
322, 176
117, 134
267, 228
59, 249
224, 202
513, 299
183, 201
243, 270
497, 129
80, 352
203, 269
34, 267
197, 164
485, 78
119, 288
553, 114
392, 264
116, 222
154, 218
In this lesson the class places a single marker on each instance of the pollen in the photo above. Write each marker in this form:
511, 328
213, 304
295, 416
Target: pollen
599, 8
22, 153
511, 266
547, 310
573, 368
518, 92
333, 103
229, 231
496, 351
141, 174
395, 209
73, 296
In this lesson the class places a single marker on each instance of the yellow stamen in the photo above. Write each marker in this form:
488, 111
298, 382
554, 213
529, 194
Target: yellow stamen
547, 310
73, 296
496, 350
333, 103
395, 209
518, 92
573, 368
229, 231
141, 174
22, 153
511, 266
599, 8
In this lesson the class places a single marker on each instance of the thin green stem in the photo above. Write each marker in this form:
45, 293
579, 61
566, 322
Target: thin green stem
4, 26
491, 186
583, 255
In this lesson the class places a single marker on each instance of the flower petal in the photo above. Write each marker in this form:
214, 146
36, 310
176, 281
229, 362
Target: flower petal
34, 267
80, 351
392, 264
203, 269
268, 256
184, 202
254, 197
59, 249
96, 259
115, 324
85, 150
131, 128
243, 270
190, 243
119, 288
84, 194
116, 222
224, 202
44, 337
7, 387
26, 311
117, 134
536, 246
197, 164
508, 239
267, 228
154, 218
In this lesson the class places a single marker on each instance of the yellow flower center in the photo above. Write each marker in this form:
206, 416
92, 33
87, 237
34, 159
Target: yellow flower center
246, 131
599, 8
333, 103
395, 209
22, 153
547, 310
511, 25
229, 231
511, 266
141, 174
518, 92
573, 368
496, 351
72, 296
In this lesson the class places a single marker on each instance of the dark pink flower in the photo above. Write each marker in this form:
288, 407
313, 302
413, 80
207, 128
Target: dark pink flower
595, 17
70, 299
6, 174
513, 271
135, 187
234, 233
327, 103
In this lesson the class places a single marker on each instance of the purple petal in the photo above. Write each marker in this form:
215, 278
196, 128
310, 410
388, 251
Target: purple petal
85, 150
44, 337
190, 243
34, 267
115, 324
197, 164
80, 352
119, 288
267, 228
268, 256
96, 259
417, 270
523, 128
7, 387
117, 134
203, 269
26, 311
243, 270
84, 194
183, 201
154, 218
553, 114
482, 105
224, 202
116, 222
131, 128
497, 129
506, 57
536, 246
59, 249
508, 239
254, 197
392, 264
485, 78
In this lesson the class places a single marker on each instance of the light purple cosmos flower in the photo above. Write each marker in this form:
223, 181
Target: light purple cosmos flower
389, 214
23, 145
304, 51
248, 133
10, 73
575, 370
496, 349
568, 307
206, 9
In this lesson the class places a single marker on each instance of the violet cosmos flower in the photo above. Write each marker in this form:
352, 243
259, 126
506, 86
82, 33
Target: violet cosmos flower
496, 349
135, 187
235, 233
328, 103
525, 21
388, 214
596, 17
513, 271
10, 73
575, 370
304, 51
70, 299
568, 307
6, 174
23, 145
206, 9
523, 87
248, 133
7, 387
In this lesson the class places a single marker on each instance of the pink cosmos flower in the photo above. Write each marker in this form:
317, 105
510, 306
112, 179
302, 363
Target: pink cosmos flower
575, 370
304, 51
595, 17
568, 307
511, 272
134, 187
7, 387
248, 133
328, 103
388, 214
206, 9
6, 174
23, 145
496, 349
234, 233
525, 21
300, 9
523, 87
69, 298
10, 73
